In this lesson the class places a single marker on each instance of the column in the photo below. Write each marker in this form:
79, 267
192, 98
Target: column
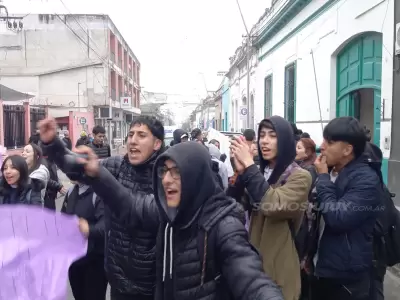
394, 158
1, 124
27, 113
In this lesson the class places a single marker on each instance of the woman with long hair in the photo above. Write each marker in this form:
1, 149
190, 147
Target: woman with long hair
36, 166
306, 238
15, 185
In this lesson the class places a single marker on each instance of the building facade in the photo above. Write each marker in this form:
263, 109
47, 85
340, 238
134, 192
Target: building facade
321, 59
237, 78
78, 63
225, 106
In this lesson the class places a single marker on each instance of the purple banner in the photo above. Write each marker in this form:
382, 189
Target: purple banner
37, 246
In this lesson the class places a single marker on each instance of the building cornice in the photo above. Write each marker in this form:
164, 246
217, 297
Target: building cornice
279, 21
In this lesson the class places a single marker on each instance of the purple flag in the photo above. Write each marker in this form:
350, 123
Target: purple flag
37, 246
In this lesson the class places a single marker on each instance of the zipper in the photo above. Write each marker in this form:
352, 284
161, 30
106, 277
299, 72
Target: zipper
347, 241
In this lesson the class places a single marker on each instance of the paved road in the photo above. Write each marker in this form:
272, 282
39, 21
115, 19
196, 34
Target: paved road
392, 282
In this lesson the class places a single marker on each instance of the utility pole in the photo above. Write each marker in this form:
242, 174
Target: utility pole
394, 141
248, 57
79, 97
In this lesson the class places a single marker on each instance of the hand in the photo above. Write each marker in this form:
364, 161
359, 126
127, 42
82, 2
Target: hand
242, 152
63, 190
84, 227
47, 130
238, 165
320, 164
91, 164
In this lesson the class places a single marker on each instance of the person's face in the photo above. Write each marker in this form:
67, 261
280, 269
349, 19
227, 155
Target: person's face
335, 152
171, 182
217, 145
10, 173
184, 139
300, 151
268, 143
141, 144
28, 154
66, 134
99, 138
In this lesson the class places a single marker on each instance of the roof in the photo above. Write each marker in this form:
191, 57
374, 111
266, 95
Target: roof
8, 94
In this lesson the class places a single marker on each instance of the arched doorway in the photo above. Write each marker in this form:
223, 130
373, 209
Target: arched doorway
359, 73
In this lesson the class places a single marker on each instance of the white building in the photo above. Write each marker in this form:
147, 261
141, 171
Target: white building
73, 63
336, 54
237, 76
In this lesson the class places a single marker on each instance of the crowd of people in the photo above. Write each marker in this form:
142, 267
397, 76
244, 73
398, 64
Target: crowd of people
176, 223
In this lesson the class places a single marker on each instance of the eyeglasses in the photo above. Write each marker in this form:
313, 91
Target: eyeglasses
174, 171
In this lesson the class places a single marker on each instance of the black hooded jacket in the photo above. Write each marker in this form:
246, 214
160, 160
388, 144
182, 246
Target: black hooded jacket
130, 237
178, 133
205, 207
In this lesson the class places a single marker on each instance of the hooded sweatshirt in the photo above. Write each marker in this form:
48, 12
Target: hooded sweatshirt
203, 206
178, 135
223, 170
278, 197
42, 175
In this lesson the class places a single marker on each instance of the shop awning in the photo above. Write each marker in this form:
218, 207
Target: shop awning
8, 94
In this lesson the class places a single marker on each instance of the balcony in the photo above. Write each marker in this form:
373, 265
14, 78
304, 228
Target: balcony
113, 94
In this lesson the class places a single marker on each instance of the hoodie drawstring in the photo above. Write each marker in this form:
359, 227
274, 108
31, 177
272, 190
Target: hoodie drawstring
203, 267
171, 256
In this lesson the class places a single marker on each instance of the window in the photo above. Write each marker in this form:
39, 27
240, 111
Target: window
268, 96
290, 93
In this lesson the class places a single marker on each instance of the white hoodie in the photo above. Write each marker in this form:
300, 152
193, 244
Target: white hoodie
43, 175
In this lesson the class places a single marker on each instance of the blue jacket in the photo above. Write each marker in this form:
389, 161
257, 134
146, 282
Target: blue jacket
349, 208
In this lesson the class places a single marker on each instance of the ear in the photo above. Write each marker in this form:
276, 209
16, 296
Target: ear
348, 150
157, 145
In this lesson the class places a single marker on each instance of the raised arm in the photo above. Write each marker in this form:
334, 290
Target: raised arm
133, 207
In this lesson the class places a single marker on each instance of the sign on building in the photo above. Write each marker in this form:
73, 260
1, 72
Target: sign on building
126, 102
243, 112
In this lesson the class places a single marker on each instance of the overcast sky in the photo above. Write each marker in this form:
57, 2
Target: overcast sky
176, 41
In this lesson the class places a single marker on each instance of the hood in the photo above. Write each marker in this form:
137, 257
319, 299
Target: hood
42, 174
286, 147
198, 182
214, 151
178, 135
374, 156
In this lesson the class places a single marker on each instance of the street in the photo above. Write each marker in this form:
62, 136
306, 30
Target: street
391, 286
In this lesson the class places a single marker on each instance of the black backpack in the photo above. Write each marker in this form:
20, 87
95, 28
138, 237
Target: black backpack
386, 234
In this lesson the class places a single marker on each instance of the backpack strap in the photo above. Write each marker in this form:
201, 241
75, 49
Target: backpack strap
28, 195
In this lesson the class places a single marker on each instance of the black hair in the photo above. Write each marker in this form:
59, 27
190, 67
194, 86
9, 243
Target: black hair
349, 130
126, 139
214, 141
37, 157
98, 129
223, 157
266, 124
20, 164
367, 133
195, 133
305, 135
155, 126
249, 134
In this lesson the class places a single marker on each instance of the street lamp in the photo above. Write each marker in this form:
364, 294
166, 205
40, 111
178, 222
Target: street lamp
248, 44
79, 98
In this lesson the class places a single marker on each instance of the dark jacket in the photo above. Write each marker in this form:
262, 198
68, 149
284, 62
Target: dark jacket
208, 208
102, 151
178, 134
82, 141
349, 209
84, 204
53, 186
130, 239
29, 195
203, 206
67, 142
